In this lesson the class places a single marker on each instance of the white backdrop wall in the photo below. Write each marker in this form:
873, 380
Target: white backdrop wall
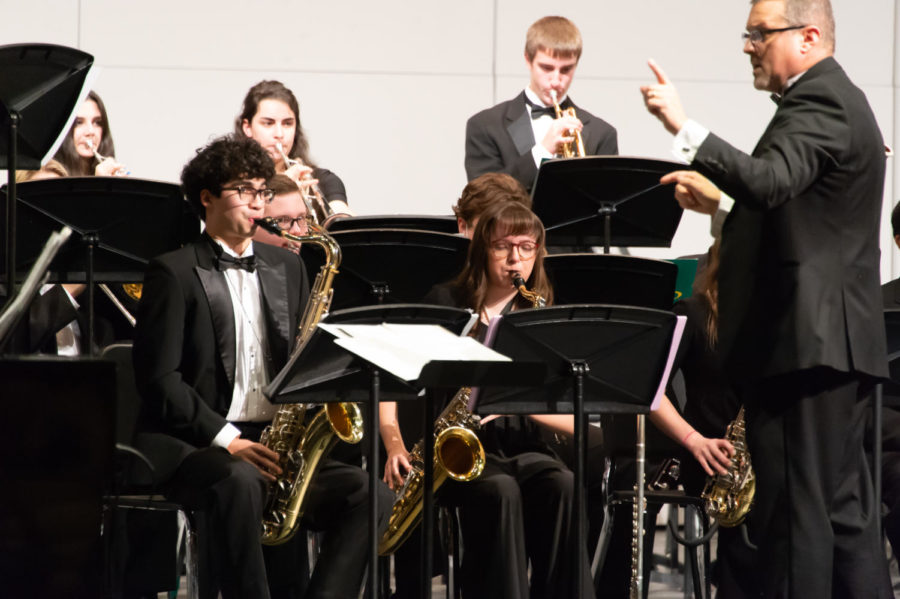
385, 88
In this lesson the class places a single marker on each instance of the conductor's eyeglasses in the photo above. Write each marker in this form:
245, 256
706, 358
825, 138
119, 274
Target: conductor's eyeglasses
248, 193
756, 36
502, 249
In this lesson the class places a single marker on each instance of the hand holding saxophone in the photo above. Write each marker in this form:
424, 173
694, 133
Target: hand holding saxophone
714, 455
264, 459
396, 468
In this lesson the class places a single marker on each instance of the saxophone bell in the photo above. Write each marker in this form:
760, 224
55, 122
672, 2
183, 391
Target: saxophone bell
458, 454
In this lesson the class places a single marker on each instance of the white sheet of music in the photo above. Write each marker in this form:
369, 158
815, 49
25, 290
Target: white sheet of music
404, 349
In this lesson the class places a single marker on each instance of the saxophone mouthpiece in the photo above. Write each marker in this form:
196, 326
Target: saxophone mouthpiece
517, 279
268, 223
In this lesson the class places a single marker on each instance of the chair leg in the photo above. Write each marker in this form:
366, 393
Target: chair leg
190, 555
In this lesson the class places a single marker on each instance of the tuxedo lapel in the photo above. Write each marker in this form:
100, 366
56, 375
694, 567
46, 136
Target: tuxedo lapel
273, 285
221, 310
518, 125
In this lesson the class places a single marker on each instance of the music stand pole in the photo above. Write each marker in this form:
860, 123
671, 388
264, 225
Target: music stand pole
607, 211
579, 370
428, 493
91, 240
638, 507
11, 207
374, 391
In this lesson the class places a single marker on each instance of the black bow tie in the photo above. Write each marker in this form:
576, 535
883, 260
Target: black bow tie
537, 111
225, 261
776, 98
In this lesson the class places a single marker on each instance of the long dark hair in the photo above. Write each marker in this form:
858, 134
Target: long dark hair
503, 218
275, 90
68, 156
707, 288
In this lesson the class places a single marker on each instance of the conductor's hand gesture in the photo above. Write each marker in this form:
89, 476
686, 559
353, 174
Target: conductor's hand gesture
662, 101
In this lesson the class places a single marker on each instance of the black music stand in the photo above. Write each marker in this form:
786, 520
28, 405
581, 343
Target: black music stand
606, 200
615, 356
611, 279
51, 507
389, 266
118, 223
322, 371
421, 222
41, 86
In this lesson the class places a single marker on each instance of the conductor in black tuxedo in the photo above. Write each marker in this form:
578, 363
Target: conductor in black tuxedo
800, 319
216, 321
513, 137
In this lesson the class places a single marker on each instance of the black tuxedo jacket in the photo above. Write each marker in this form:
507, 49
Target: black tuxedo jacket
184, 348
891, 294
499, 140
48, 314
799, 278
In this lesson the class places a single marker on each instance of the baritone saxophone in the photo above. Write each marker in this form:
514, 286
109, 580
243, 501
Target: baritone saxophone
301, 445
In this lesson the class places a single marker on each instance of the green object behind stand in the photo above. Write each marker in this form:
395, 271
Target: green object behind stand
684, 282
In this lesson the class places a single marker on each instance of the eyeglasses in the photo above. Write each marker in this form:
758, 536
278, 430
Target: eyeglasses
285, 223
756, 36
502, 249
248, 193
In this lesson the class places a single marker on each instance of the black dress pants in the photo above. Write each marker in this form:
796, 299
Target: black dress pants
231, 495
814, 513
519, 509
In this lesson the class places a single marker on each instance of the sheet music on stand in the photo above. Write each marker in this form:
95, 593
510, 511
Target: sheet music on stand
17, 305
405, 349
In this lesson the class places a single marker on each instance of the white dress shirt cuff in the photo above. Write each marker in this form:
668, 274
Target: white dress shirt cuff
726, 203
228, 434
540, 154
688, 140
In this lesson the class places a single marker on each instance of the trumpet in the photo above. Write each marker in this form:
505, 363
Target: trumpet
119, 172
573, 148
313, 196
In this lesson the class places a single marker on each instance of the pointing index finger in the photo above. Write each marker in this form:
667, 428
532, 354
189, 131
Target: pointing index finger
657, 70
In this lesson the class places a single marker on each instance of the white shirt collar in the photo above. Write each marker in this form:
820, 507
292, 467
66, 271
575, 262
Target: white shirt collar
231, 252
533, 97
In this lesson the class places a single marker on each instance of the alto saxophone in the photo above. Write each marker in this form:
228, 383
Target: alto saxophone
457, 453
300, 445
729, 496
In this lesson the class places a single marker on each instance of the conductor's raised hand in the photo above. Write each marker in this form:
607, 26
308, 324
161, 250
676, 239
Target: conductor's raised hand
693, 191
265, 460
662, 101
